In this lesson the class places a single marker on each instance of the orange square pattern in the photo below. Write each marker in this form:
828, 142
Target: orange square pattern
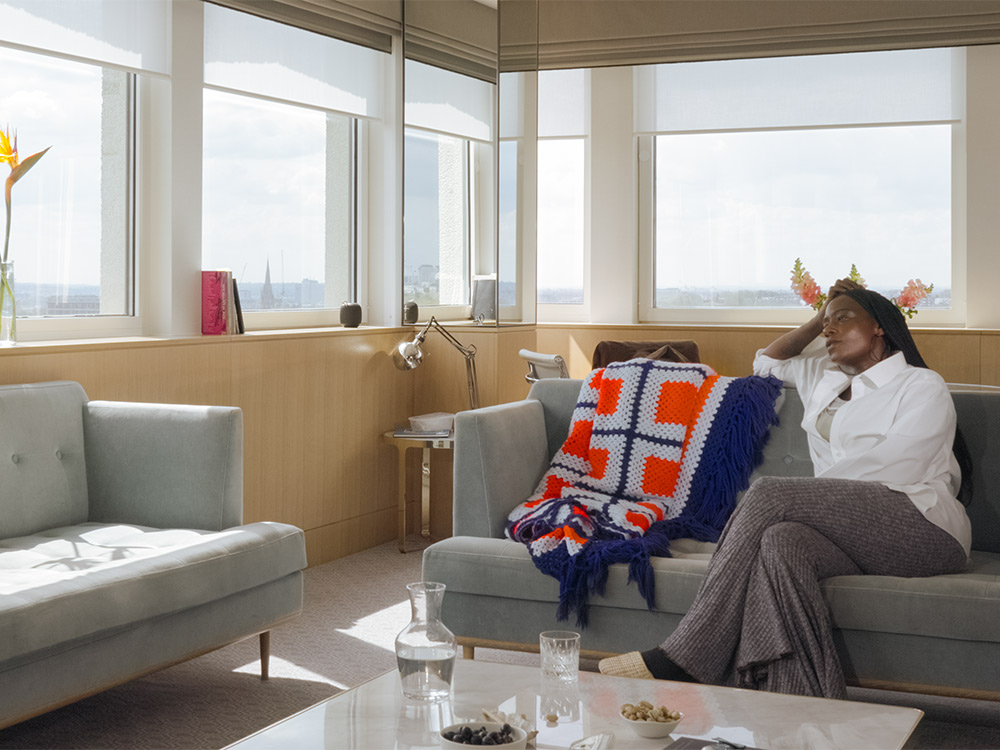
607, 400
553, 488
578, 443
598, 462
659, 476
676, 403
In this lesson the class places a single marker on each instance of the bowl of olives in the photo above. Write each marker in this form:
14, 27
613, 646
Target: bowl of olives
483, 733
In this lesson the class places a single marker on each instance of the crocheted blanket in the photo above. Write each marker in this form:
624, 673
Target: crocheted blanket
656, 451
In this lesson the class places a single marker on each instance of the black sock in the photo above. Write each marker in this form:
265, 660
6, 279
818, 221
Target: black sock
662, 668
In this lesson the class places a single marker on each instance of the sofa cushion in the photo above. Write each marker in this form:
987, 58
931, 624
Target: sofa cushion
42, 467
75, 582
961, 606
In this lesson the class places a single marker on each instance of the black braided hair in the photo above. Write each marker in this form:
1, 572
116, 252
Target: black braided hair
897, 338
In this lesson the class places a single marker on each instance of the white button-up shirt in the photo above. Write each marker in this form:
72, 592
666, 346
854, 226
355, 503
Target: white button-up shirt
897, 429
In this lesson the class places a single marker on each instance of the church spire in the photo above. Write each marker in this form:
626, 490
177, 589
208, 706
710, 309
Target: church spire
266, 293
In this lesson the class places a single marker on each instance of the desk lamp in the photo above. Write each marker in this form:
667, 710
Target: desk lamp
408, 356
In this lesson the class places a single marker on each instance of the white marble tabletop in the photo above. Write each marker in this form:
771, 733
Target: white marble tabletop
375, 715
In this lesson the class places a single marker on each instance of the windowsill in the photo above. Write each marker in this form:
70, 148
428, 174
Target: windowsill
283, 334
135, 342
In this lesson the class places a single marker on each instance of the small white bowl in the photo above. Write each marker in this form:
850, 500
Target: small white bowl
519, 735
652, 729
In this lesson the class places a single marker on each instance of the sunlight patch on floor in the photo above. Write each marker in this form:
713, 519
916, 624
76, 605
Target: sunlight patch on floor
381, 628
282, 669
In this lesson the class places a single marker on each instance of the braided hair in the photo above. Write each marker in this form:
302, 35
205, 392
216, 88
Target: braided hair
897, 338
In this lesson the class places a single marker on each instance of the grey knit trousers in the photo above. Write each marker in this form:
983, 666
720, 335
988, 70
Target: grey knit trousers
759, 619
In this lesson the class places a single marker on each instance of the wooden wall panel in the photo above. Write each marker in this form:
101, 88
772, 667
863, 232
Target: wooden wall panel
314, 408
511, 369
316, 403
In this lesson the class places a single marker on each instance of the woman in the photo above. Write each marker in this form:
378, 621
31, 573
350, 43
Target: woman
883, 501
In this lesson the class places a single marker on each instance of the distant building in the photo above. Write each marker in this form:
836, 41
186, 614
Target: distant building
73, 304
266, 293
312, 293
427, 274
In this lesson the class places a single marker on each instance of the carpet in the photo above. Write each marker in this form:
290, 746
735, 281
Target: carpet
354, 608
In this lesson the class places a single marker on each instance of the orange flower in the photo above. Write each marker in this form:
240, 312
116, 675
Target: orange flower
18, 168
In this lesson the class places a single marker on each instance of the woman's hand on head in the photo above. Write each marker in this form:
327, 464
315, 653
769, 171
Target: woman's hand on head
840, 286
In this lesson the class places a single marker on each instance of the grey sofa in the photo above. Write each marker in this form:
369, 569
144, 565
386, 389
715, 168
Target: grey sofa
939, 635
121, 544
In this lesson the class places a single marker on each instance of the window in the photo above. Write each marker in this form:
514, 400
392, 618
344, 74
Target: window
563, 101
560, 221
71, 224
285, 113
834, 159
449, 239
282, 218
437, 200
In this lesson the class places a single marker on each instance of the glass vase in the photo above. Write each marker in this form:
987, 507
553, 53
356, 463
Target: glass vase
8, 309
426, 649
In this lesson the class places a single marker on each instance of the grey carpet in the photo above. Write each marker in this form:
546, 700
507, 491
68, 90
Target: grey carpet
354, 608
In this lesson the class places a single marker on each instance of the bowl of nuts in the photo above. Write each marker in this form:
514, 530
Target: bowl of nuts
483, 733
647, 720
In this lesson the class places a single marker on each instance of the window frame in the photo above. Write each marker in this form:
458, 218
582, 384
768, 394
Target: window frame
129, 323
954, 317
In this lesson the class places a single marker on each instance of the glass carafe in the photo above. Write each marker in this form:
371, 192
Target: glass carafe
426, 649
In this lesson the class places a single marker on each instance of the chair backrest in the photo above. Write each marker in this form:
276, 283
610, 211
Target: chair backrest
542, 366
606, 352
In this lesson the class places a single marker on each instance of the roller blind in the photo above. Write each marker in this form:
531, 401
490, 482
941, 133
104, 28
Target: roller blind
247, 53
447, 102
562, 103
592, 33
370, 23
845, 89
129, 34
457, 35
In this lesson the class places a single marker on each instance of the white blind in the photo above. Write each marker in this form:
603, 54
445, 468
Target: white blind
562, 103
130, 34
447, 102
856, 88
511, 105
247, 53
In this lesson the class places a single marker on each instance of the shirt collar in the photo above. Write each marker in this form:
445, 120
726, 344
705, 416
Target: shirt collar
879, 374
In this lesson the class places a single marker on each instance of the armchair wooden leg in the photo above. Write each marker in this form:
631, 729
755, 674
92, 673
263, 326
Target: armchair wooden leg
265, 654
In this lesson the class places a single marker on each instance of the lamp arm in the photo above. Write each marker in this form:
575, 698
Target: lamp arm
469, 352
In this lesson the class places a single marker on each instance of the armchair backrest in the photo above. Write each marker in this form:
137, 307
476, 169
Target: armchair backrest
43, 475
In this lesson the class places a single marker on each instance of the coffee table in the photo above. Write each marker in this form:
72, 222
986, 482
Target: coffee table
375, 714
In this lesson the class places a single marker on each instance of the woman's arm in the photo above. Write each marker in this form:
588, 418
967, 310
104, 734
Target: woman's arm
791, 344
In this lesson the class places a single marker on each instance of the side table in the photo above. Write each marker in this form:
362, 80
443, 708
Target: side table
426, 445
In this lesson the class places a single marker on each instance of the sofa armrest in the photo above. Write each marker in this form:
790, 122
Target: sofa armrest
164, 465
500, 454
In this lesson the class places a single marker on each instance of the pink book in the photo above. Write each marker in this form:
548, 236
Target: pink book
215, 287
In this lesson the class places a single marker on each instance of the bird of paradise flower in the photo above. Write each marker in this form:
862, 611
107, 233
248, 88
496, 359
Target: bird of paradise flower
18, 168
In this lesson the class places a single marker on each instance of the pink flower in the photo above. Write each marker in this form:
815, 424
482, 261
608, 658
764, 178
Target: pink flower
806, 287
913, 293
